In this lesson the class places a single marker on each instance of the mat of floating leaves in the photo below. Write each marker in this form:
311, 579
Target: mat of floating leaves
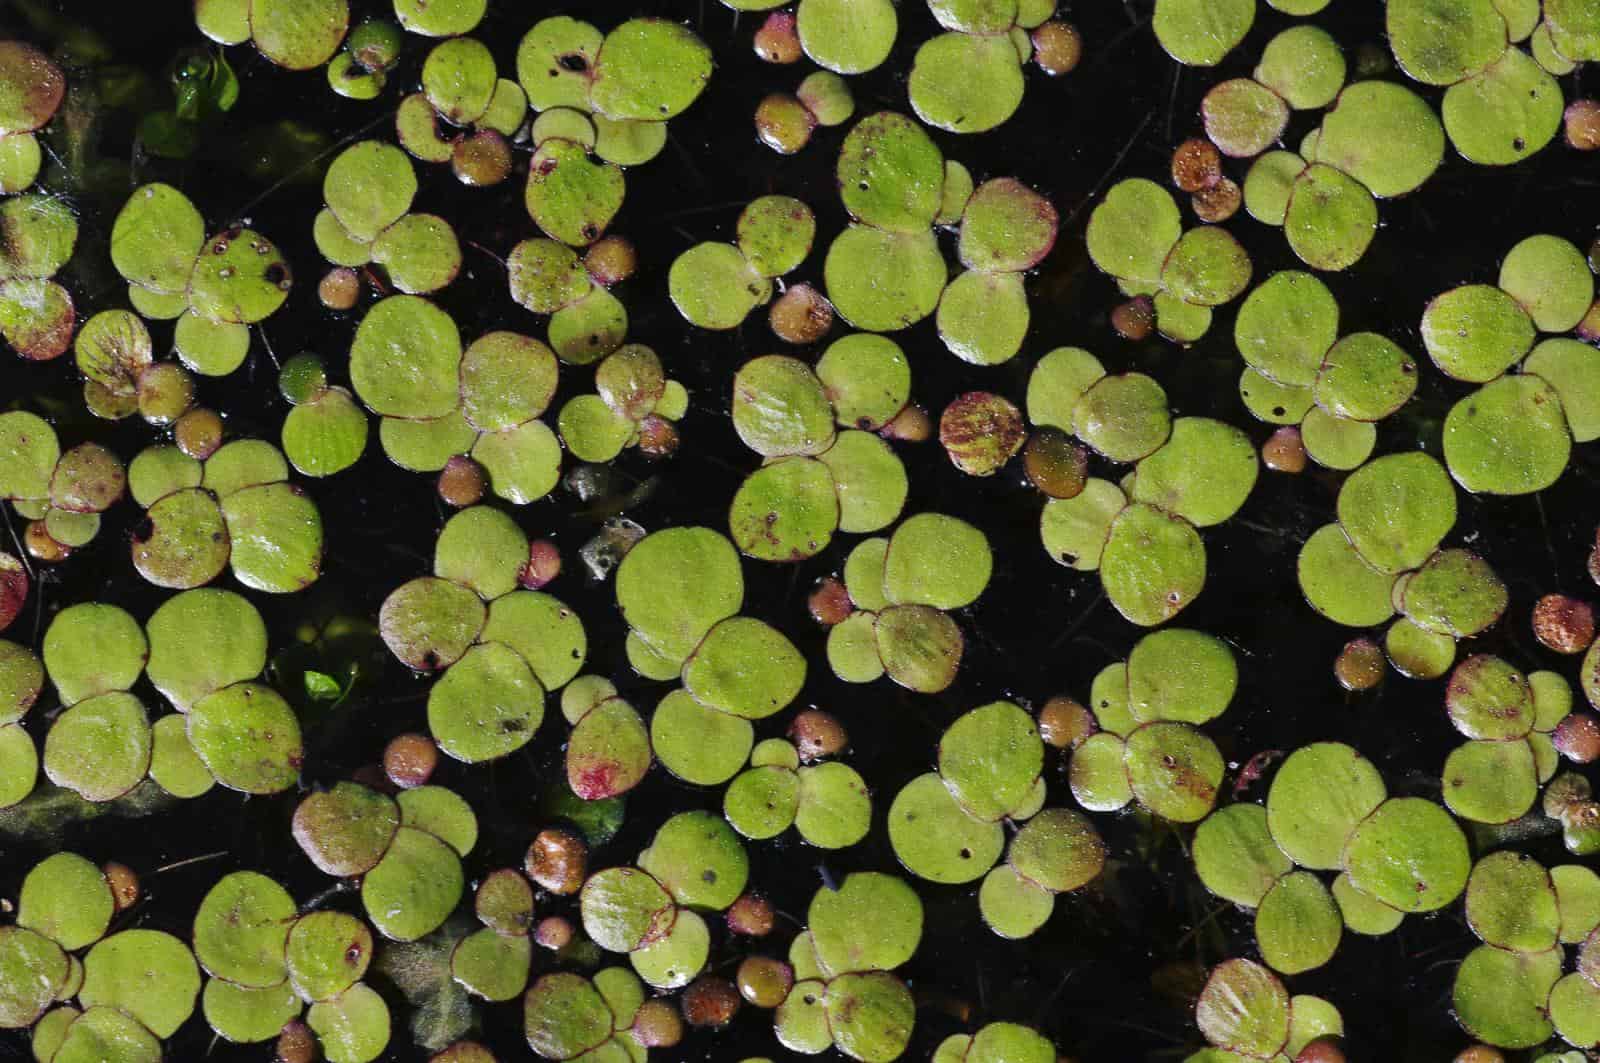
601, 100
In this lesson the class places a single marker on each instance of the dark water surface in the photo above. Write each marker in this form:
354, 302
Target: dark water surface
1106, 976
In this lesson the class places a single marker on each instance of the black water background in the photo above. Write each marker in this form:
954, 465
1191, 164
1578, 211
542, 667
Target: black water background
1039, 630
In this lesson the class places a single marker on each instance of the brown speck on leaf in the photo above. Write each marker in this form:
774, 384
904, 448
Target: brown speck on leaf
777, 41
556, 861
710, 1002
1218, 201
1284, 451
1582, 124
1577, 737
1135, 319
124, 883
296, 1043
1065, 724
409, 760
817, 734
1195, 164
1360, 665
751, 915
656, 1024
830, 603
1563, 624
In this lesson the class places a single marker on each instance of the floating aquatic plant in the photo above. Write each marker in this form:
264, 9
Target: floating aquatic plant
61, 493
1136, 236
715, 285
236, 509
36, 312
498, 646
1141, 536
1333, 850
216, 287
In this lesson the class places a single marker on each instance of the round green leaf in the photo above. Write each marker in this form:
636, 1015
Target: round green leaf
649, 69
1318, 797
846, 36
486, 705
1203, 472
1409, 854
244, 1015
1508, 438
835, 809
1235, 855
481, 548
34, 968
989, 758
785, 511
870, 1015
353, 1027
66, 898
1505, 113
1175, 770
936, 560
92, 648
1153, 565
419, 252
1340, 585
1502, 997
625, 909
698, 744
148, 974
1074, 530
1298, 925
938, 840
345, 830
413, 889
1243, 117
1396, 509
1511, 903
1013, 906
675, 584
298, 35
277, 537
1124, 417
1365, 377
1244, 1008
1476, 332
100, 747
1133, 230
714, 286
871, 922
1331, 218
699, 859
1304, 65
1198, 33
966, 83
608, 752
428, 623
1569, 367
368, 187
327, 952
248, 737
746, 668
156, 237
1551, 279
919, 646
241, 929
883, 281
983, 317
1058, 849
404, 359
571, 196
